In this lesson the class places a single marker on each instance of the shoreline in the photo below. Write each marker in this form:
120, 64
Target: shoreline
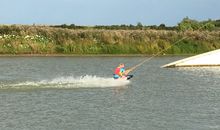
90, 55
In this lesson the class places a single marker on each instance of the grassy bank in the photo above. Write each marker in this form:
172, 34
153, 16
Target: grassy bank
23, 39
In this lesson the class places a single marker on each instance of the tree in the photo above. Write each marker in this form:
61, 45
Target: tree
188, 24
209, 26
162, 26
139, 25
72, 26
217, 23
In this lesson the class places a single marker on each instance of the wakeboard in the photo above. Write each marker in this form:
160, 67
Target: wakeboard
129, 77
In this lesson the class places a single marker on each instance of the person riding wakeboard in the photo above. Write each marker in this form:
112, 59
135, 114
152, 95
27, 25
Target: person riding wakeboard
121, 73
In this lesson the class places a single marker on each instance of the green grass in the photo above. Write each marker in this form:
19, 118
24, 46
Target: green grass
21, 39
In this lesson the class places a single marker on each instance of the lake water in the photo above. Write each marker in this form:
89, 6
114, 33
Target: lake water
66, 93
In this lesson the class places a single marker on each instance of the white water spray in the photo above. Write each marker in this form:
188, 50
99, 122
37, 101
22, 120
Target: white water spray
71, 82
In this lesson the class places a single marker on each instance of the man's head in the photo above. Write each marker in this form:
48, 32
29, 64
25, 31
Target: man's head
121, 65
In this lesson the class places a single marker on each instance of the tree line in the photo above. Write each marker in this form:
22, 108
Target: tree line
186, 24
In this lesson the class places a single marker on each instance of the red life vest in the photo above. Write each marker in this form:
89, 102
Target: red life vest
117, 70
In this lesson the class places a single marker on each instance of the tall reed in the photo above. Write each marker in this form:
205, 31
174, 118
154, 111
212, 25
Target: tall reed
23, 39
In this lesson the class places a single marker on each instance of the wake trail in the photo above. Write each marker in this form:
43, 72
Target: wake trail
87, 81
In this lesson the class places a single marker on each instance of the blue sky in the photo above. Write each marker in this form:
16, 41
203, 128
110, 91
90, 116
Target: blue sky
106, 12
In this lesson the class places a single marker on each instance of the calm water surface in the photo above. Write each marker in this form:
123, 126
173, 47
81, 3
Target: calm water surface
66, 93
